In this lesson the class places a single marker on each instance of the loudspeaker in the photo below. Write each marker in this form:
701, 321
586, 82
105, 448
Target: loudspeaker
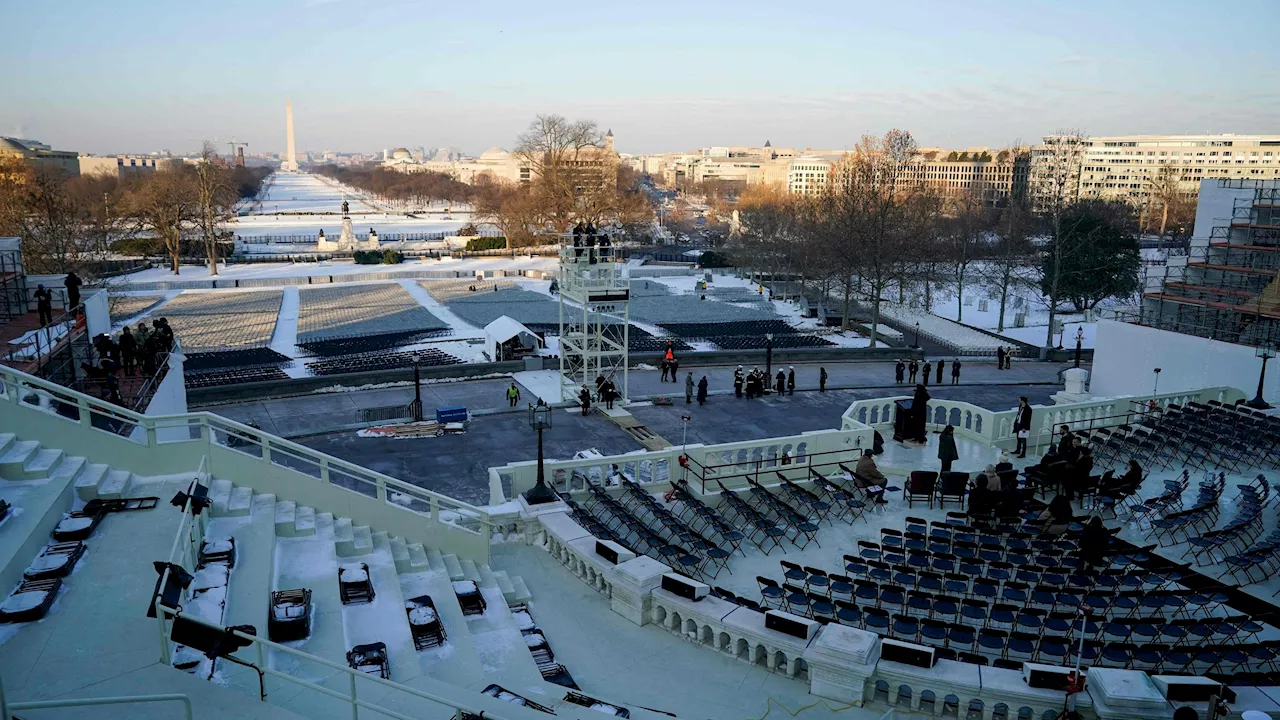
907, 653
1192, 689
613, 552
677, 584
789, 624
1047, 677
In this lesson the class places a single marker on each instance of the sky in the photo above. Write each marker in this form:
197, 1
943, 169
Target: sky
363, 75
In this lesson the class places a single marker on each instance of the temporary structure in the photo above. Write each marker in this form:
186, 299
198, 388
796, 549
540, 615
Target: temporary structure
507, 339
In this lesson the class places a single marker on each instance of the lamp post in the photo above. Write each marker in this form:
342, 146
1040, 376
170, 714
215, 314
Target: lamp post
1156, 390
417, 389
1266, 354
768, 355
1079, 340
916, 344
540, 419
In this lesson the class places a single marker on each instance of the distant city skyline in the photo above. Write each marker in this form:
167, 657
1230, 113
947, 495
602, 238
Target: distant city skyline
370, 74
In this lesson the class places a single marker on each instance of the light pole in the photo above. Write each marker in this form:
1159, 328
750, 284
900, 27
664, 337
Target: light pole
417, 389
1156, 390
1079, 340
684, 439
1266, 354
540, 419
768, 355
916, 344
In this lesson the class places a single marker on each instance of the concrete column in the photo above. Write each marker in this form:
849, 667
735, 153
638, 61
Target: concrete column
633, 584
841, 659
1126, 695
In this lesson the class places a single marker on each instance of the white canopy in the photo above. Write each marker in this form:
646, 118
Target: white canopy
505, 328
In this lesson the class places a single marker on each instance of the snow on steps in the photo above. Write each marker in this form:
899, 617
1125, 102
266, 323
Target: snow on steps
90, 479
502, 649
310, 562
351, 541
115, 485
220, 496
15, 458
69, 469
250, 585
383, 620
456, 661
305, 522
286, 512
6, 439
41, 464
452, 567
419, 558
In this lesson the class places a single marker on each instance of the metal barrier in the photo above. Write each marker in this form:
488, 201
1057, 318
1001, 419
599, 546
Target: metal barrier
386, 414
91, 702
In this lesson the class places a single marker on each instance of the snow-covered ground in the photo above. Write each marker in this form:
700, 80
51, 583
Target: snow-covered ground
467, 266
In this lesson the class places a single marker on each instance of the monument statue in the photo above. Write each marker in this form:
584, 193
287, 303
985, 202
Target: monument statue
345, 207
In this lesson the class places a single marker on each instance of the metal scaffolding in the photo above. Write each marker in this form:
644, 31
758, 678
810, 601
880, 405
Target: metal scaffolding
595, 312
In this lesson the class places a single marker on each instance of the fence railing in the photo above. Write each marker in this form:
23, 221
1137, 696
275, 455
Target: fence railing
100, 701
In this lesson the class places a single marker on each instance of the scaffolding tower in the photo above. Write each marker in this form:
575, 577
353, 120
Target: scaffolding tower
595, 311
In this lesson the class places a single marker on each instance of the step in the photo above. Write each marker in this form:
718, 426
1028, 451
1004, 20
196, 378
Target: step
456, 662
220, 495
69, 469
42, 464
501, 647
452, 567
6, 439
522, 594
241, 502
383, 620
418, 558
363, 539
400, 554
469, 570
486, 577
380, 539
248, 592
89, 479
16, 457
349, 540
115, 484
286, 517
435, 558
504, 584
310, 562
305, 522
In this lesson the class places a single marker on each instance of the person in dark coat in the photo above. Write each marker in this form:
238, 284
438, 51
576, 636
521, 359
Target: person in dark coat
1095, 543
72, 283
584, 397
919, 415
1056, 518
1078, 479
780, 383
737, 382
928, 368
702, 390
981, 500
898, 371
822, 379
941, 364
955, 372
947, 447
608, 393
675, 367
1022, 426
1000, 358
791, 380
912, 369
1064, 442
688, 389
44, 305
128, 351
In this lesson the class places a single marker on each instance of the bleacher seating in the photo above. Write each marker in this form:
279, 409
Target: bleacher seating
380, 361
234, 376
740, 328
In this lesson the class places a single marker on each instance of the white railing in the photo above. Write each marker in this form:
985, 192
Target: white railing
165, 444
93, 702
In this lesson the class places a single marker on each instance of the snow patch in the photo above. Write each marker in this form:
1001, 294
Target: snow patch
422, 615
21, 602
70, 524
352, 572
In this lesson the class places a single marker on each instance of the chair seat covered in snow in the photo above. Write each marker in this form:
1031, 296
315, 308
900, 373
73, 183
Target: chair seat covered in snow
77, 525
354, 584
424, 622
370, 658
56, 560
577, 698
501, 693
109, 505
290, 616
469, 597
222, 552
30, 601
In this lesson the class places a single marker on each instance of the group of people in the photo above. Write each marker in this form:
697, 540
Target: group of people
44, 298
756, 383
689, 389
131, 351
669, 365
586, 239
1004, 357
906, 371
606, 392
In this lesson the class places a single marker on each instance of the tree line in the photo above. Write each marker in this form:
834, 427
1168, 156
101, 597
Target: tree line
67, 223
418, 188
876, 234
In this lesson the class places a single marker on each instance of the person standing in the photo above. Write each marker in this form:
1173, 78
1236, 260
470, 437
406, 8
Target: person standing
928, 370
955, 372
44, 305
128, 351
513, 395
72, 283
675, 367
941, 365
1008, 358
609, 393
947, 447
912, 370
1022, 426
780, 383
822, 379
584, 397
791, 379
688, 388
899, 370
737, 382
666, 365
919, 419
702, 390
1000, 357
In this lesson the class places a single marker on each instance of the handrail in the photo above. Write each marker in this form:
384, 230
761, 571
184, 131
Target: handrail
116, 700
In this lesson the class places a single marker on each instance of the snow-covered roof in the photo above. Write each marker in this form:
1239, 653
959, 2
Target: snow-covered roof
504, 328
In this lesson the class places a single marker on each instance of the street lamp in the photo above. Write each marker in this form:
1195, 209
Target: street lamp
417, 389
1156, 390
1266, 354
1079, 340
540, 419
916, 344
768, 355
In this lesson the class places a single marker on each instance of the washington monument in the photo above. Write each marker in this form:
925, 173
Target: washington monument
290, 163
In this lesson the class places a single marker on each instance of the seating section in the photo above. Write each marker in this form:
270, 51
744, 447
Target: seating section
703, 330
342, 319
1200, 436
447, 290
127, 307
958, 338
221, 321
234, 376
427, 357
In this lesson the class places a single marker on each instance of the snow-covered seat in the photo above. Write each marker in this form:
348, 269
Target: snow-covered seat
370, 658
77, 525
354, 584
577, 698
30, 601
221, 552
424, 622
56, 560
290, 617
469, 597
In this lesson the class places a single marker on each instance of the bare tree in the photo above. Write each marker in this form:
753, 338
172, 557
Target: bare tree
566, 162
512, 208
1011, 252
166, 204
215, 199
967, 226
49, 223
1164, 191
1055, 180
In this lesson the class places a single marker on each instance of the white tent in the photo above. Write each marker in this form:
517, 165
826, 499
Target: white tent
502, 330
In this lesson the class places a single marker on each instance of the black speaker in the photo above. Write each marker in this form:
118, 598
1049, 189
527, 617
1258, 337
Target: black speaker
684, 587
789, 624
1047, 677
1192, 689
606, 552
906, 653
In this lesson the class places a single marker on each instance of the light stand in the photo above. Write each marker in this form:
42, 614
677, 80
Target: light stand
540, 419
1156, 390
768, 356
417, 389
684, 439
1079, 340
916, 344
1257, 403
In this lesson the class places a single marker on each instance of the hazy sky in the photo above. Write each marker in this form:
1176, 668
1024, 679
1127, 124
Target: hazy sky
142, 75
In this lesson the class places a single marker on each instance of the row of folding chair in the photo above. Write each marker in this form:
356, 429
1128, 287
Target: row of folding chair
714, 557
845, 504
762, 531
770, 504
806, 498
624, 522
695, 511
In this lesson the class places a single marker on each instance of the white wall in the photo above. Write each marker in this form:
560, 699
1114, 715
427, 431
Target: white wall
170, 399
97, 314
1214, 207
1126, 355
